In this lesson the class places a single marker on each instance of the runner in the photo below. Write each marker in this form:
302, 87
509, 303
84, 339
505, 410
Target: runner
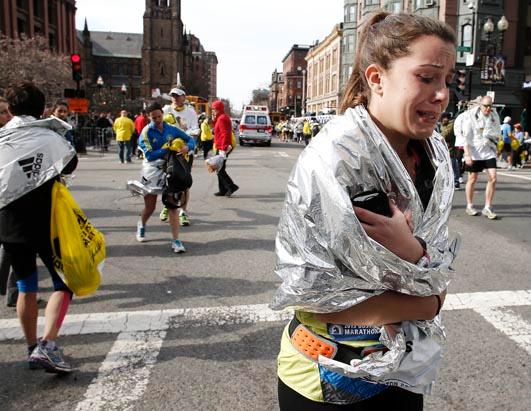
188, 124
25, 216
154, 144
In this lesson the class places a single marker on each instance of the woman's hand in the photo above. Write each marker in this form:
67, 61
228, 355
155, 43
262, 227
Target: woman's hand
394, 233
184, 150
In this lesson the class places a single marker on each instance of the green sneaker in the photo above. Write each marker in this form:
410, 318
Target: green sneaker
183, 218
164, 214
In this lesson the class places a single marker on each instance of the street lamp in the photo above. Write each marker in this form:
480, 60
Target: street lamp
303, 111
99, 82
123, 89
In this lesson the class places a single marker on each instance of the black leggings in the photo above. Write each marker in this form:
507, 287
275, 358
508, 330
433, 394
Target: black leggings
392, 398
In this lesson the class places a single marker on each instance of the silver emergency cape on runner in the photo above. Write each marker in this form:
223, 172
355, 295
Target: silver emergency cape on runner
31, 153
324, 257
152, 179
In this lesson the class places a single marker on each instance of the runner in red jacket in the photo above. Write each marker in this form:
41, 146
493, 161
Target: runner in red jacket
223, 140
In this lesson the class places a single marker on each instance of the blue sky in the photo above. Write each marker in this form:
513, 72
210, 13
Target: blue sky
250, 38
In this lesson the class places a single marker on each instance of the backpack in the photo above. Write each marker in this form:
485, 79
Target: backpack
178, 180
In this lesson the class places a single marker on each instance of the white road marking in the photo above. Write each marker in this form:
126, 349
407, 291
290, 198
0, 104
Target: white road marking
124, 374
159, 320
283, 154
509, 323
514, 175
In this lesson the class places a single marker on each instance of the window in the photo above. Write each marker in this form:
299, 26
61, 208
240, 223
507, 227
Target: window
352, 13
250, 119
419, 4
466, 37
372, 2
299, 84
262, 120
334, 57
396, 7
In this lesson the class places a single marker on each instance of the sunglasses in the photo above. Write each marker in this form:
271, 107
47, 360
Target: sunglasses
487, 105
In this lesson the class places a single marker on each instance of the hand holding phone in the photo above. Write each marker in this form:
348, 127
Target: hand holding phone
374, 201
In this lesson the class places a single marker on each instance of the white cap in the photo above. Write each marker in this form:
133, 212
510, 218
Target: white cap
507, 119
177, 92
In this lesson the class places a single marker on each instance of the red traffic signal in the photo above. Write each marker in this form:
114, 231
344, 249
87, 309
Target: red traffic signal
75, 59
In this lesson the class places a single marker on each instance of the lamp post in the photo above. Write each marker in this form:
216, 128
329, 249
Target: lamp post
123, 89
495, 61
303, 111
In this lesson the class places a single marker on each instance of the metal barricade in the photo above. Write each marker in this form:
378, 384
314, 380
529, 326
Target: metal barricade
92, 139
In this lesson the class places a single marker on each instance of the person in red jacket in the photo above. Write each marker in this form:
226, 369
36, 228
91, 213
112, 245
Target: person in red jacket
141, 121
223, 140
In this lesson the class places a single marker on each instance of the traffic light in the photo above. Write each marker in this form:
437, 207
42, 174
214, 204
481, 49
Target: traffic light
460, 80
75, 59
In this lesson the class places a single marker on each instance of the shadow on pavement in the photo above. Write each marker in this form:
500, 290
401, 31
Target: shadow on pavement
262, 344
181, 287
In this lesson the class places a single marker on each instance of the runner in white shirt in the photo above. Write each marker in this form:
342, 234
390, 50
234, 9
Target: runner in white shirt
190, 126
481, 128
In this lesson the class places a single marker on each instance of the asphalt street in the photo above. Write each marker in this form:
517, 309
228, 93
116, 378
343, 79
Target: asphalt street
192, 331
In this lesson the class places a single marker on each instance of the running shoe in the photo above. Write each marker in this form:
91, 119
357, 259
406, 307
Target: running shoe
471, 211
32, 364
183, 218
177, 246
140, 232
164, 214
487, 212
49, 358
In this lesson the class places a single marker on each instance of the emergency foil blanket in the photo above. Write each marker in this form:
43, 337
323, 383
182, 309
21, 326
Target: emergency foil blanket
31, 153
326, 260
152, 179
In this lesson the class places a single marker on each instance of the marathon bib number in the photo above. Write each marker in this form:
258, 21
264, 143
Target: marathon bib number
344, 332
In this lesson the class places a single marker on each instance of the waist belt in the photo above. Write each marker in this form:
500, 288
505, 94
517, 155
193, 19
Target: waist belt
312, 345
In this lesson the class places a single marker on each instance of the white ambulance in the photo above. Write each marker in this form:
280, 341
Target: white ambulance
255, 125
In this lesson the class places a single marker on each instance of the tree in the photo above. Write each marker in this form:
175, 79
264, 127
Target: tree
29, 59
260, 97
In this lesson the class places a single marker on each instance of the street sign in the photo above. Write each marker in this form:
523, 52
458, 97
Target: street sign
78, 105
464, 49
469, 60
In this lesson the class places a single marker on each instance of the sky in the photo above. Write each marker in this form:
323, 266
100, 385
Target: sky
250, 38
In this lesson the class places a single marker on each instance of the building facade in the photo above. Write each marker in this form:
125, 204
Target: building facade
323, 74
467, 17
149, 64
294, 73
114, 58
276, 91
52, 19
348, 41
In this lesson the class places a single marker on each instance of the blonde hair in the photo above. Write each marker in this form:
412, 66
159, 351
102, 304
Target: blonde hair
384, 38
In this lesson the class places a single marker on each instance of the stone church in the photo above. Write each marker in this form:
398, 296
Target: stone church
148, 63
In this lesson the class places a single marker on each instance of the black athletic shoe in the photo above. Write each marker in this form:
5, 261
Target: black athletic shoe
220, 194
232, 190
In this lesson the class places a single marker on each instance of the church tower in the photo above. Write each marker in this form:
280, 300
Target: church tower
162, 49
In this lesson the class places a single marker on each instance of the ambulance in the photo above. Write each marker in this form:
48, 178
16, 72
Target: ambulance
255, 126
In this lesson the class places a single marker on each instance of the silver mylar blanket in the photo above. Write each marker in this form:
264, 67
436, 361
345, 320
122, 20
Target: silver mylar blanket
325, 259
31, 153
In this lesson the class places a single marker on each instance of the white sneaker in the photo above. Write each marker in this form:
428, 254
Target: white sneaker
177, 246
471, 211
487, 212
140, 232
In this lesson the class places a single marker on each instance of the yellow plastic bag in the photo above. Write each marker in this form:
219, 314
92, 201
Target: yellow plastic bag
78, 249
515, 144
500, 145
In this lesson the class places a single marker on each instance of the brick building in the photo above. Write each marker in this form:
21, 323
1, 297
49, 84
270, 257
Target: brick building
52, 19
294, 70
